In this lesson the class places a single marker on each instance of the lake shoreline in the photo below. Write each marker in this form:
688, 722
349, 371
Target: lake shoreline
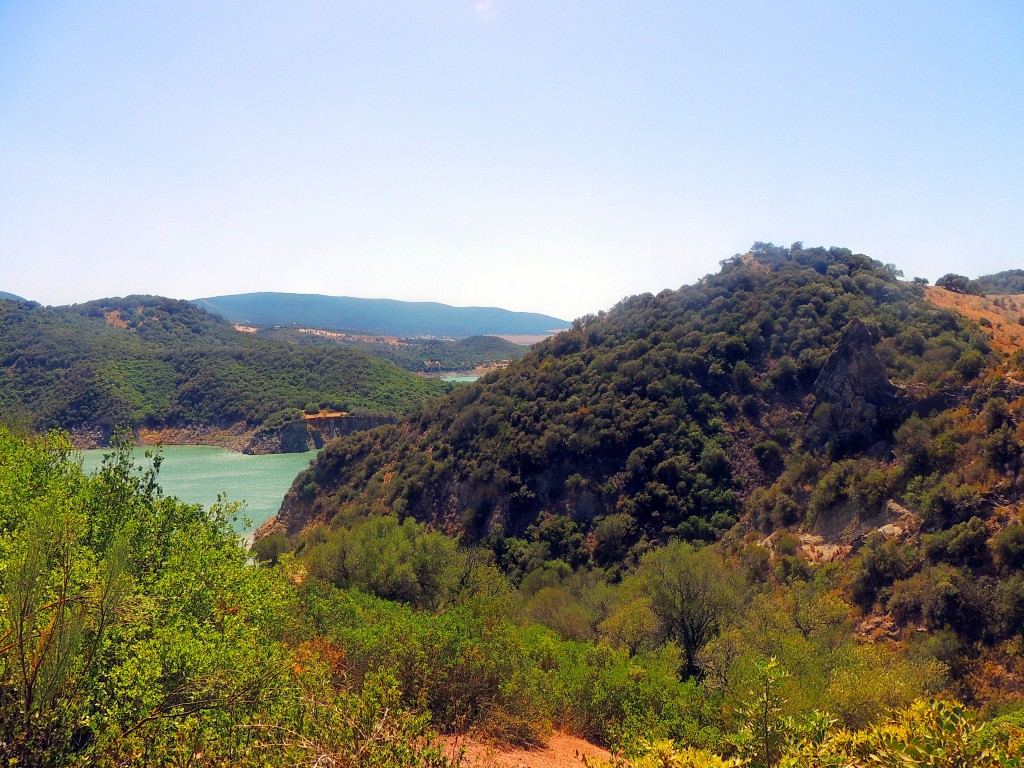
238, 437
200, 474
310, 432
478, 372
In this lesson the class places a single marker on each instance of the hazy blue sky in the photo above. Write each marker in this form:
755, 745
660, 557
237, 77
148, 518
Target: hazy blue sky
548, 156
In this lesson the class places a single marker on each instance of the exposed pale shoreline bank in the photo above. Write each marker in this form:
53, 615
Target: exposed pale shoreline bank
237, 437
305, 434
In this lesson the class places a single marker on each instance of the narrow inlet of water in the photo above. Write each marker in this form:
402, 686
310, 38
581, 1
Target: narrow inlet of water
196, 474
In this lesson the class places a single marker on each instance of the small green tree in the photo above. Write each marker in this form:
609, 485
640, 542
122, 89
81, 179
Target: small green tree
691, 592
764, 731
953, 282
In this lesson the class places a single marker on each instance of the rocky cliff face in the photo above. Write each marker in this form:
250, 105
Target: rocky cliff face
855, 403
449, 503
311, 433
324, 428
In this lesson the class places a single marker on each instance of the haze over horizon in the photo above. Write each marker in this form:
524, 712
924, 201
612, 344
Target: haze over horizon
510, 153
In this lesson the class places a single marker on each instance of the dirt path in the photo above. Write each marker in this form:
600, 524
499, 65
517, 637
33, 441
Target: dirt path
562, 751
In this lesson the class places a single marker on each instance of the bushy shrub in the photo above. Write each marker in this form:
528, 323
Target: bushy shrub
943, 596
770, 455
466, 667
963, 544
1008, 548
882, 563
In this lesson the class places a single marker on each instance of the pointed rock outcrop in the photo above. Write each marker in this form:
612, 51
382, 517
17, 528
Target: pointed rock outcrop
855, 403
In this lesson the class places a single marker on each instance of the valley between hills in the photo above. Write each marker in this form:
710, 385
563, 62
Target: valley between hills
773, 518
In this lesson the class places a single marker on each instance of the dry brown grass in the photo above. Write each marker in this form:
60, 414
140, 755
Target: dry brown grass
1006, 332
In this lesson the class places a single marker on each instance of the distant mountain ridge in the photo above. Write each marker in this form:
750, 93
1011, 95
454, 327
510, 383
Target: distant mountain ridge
11, 296
388, 317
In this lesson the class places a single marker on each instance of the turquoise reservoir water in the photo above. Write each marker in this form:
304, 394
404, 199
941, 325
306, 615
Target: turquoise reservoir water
459, 378
197, 473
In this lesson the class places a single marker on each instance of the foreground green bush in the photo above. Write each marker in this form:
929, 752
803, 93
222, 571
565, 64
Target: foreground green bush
130, 622
134, 631
936, 734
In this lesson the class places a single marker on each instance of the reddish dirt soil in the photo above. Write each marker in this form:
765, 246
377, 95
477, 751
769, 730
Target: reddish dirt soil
562, 751
114, 318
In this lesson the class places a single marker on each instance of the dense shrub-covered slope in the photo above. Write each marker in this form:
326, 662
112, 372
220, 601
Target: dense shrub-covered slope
655, 419
417, 355
146, 360
760, 401
1009, 281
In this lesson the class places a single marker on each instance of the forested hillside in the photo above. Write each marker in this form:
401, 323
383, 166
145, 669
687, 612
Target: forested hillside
151, 361
465, 354
1009, 281
657, 419
417, 354
806, 408
386, 317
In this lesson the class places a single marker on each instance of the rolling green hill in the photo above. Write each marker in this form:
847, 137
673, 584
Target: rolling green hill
659, 418
10, 296
377, 316
418, 354
432, 355
157, 362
